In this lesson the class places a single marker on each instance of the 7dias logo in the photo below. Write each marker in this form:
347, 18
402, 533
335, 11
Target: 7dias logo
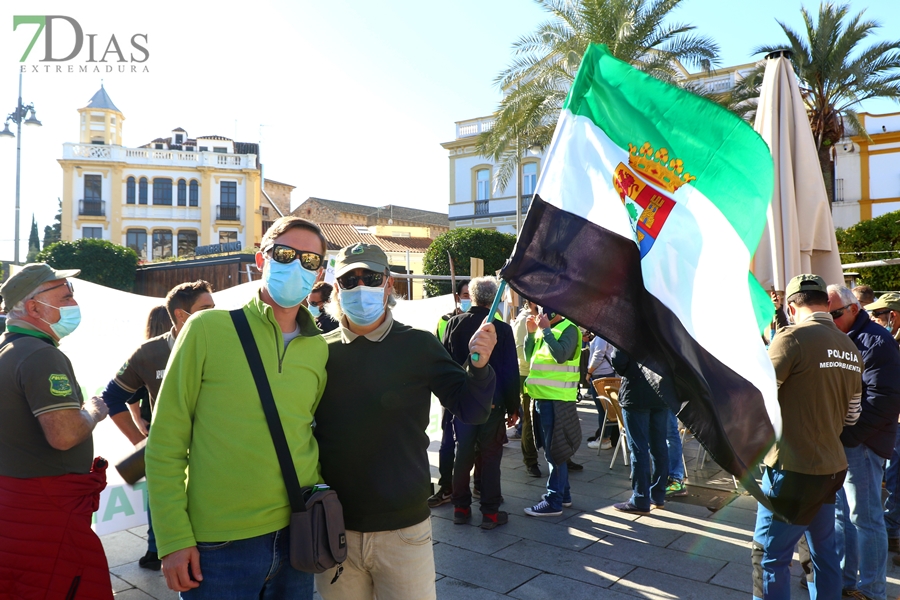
65, 41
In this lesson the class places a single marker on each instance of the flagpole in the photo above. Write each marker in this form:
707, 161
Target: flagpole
490, 318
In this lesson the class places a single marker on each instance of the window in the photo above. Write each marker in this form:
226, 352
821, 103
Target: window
204, 149
194, 197
529, 178
187, 242
158, 146
129, 191
92, 233
142, 191
179, 138
228, 193
93, 185
182, 193
265, 211
226, 237
220, 149
162, 191
162, 243
136, 239
483, 184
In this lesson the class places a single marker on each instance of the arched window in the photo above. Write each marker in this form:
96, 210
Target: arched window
142, 191
162, 191
194, 196
182, 193
483, 184
129, 191
529, 178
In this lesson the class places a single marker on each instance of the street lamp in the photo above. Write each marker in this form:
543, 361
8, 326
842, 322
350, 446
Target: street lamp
18, 117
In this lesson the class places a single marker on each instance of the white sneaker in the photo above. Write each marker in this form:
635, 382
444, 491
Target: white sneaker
606, 445
594, 445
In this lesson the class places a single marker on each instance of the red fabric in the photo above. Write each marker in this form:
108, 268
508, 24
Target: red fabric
47, 547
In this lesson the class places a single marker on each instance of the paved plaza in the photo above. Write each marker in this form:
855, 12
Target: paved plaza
695, 548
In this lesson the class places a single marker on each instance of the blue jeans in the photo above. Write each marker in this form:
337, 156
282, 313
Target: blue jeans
777, 540
151, 537
446, 452
892, 485
673, 441
865, 515
558, 482
646, 433
257, 568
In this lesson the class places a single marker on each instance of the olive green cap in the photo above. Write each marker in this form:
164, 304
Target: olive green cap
28, 279
805, 283
360, 256
890, 300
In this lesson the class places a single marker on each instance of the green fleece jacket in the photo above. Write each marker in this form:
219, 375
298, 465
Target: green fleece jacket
212, 471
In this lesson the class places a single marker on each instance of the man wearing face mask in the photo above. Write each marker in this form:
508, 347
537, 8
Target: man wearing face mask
886, 312
317, 301
222, 531
371, 429
49, 479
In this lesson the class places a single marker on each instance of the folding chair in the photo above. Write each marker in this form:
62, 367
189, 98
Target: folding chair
600, 389
610, 398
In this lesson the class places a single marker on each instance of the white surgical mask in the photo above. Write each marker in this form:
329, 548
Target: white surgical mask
363, 305
69, 319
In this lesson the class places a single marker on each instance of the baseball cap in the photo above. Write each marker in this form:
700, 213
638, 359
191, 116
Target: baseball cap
360, 256
890, 300
28, 279
805, 283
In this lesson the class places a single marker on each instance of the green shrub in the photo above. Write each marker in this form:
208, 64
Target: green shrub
876, 239
100, 261
465, 243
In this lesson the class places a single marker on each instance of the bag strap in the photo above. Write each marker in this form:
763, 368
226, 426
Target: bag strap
295, 494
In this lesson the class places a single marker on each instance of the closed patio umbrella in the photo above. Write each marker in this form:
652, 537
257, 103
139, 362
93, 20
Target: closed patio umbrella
799, 235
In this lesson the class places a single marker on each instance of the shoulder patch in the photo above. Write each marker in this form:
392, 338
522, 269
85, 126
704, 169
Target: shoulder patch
59, 385
122, 370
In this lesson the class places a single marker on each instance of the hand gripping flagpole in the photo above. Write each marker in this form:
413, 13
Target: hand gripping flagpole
490, 318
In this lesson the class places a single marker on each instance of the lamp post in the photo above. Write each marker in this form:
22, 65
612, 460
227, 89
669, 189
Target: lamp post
18, 117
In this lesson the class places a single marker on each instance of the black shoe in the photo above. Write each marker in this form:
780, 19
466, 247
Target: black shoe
534, 471
150, 561
462, 516
573, 466
441, 497
492, 520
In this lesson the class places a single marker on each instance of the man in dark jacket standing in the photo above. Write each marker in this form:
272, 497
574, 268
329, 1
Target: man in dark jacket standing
867, 443
488, 436
646, 419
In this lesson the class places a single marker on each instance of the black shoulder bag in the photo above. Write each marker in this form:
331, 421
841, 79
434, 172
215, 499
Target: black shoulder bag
318, 538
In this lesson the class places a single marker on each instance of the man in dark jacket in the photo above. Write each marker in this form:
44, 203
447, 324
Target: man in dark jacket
867, 443
646, 419
488, 437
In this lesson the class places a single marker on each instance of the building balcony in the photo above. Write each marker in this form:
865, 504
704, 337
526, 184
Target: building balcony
91, 208
156, 158
228, 212
498, 207
473, 127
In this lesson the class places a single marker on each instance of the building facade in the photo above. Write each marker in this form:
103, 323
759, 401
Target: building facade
165, 198
867, 171
321, 211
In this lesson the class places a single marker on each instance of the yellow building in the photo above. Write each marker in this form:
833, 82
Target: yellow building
162, 199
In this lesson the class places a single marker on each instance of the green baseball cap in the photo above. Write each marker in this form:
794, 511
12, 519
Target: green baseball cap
890, 300
28, 279
805, 283
360, 256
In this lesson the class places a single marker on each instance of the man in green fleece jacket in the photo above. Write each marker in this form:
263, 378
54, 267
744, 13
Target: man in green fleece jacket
371, 430
219, 504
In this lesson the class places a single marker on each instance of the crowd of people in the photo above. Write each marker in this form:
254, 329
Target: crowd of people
347, 378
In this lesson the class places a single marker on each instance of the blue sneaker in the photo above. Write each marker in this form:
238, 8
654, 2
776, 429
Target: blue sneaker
542, 509
566, 504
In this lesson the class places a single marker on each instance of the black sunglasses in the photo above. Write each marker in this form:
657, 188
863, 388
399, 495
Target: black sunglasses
880, 313
837, 314
368, 279
285, 255
67, 284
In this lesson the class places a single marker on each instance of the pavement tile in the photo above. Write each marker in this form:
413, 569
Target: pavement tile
134, 594
596, 570
140, 531
730, 547
654, 585
119, 585
546, 586
641, 529
738, 516
472, 537
151, 582
480, 570
449, 588
737, 576
700, 568
540, 530
123, 547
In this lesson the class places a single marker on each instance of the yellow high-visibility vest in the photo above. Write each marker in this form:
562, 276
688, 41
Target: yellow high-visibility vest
549, 380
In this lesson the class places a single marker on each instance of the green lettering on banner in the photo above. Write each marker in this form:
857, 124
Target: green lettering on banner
141, 486
118, 503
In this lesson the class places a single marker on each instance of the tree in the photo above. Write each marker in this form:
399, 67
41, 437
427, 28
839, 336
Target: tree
545, 63
835, 74
465, 243
34, 242
876, 239
54, 234
100, 261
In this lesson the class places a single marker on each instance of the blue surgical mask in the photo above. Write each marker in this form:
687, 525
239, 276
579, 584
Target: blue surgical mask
315, 311
465, 304
288, 284
363, 305
69, 319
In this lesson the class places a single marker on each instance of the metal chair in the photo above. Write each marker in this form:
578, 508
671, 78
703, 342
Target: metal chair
610, 398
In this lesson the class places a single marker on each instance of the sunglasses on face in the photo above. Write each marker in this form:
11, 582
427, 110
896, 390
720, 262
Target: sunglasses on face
286, 255
881, 313
67, 284
368, 279
837, 314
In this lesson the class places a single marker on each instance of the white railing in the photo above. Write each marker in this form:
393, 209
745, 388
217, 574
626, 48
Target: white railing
148, 156
474, 127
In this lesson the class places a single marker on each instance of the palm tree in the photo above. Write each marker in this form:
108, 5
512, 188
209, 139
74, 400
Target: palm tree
545, 63
835, 74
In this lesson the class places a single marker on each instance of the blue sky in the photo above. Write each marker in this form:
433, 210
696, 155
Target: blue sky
350, 99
